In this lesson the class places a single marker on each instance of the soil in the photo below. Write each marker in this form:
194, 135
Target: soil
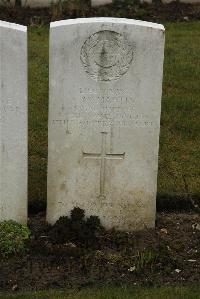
156, 12
170, 254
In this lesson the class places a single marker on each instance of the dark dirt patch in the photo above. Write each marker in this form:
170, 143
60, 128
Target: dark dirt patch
151, 257
155, 12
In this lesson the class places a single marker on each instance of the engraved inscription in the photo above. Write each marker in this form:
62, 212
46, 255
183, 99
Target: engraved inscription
103, 156
107, 55
114, 108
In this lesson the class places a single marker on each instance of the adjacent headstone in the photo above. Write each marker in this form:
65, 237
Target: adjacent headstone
100, 2
13, 122
104, 119
38, 3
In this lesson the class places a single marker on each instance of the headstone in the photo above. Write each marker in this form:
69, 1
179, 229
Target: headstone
13, 122
38, 3
100, 2
104, 120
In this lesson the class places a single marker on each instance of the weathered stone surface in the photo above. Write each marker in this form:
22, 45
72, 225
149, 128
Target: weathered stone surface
13, 122
100, 2
38, 3
104, 119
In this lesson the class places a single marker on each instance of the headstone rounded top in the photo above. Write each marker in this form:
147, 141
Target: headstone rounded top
13, 26
107, 20
106, 55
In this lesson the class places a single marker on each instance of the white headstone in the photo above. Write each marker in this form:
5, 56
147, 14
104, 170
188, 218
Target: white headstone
38, 3
100, 2
104, 119
13, 122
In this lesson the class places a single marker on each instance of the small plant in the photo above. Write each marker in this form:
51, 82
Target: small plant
145, 259
76, 229
77, 214
13, 238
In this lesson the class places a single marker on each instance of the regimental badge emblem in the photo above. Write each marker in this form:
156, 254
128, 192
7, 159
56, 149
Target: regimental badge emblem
107, 55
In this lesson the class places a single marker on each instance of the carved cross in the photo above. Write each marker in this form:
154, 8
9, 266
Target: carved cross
103, 156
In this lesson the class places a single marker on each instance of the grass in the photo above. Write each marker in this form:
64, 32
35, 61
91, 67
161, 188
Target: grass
179, 143
192, 292
180, 126
38, 111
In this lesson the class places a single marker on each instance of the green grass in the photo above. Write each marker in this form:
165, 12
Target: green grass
192, 292
38, 111
179, 145
180, 126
